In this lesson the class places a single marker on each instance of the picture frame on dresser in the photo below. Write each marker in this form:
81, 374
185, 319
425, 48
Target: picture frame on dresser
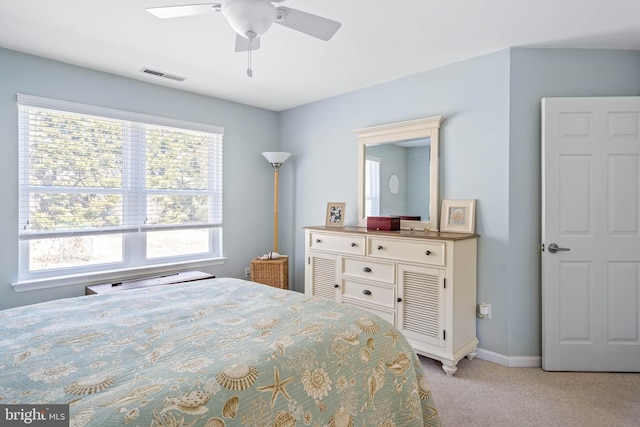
335, 214
458, 216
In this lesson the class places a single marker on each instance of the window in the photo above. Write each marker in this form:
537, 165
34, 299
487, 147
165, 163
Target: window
372, 187
105, 189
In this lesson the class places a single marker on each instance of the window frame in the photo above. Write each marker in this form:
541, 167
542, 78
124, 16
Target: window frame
372, 197
135, 260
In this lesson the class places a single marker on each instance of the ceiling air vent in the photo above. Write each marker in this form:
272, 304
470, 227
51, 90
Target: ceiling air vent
161, 74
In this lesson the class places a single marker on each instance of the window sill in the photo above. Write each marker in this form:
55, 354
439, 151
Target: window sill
111, 275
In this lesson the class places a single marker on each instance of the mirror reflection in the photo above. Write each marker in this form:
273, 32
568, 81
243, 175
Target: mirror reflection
397, 178
398, 172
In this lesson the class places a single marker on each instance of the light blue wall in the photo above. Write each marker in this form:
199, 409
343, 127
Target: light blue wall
490, 152
473, 97
535, 74
248, 178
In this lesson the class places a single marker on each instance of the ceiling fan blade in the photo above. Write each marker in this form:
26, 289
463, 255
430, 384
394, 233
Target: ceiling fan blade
184, 10
242, 43
313, 25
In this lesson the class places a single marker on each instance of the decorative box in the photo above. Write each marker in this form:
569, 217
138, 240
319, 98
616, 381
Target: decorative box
384, 223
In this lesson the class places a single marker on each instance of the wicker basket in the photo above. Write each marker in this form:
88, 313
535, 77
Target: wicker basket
272, 272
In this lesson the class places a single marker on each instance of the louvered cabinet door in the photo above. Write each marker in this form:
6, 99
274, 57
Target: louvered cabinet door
322, 275
421, 304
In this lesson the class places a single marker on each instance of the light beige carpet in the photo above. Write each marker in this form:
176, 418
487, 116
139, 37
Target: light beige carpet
482, 394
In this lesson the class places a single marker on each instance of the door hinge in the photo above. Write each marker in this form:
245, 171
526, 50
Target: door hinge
444, 282
309, 260
444, 335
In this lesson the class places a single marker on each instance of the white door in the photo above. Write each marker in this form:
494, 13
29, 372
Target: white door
591, 212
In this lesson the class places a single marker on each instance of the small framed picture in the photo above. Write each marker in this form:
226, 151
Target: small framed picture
458, 216
335, 214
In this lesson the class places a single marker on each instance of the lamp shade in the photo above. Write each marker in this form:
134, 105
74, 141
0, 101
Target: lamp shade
276, 156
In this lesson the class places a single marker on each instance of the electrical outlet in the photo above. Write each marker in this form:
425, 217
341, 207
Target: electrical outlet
484, 311
247, 272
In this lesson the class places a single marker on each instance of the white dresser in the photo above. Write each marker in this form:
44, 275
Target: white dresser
424, 283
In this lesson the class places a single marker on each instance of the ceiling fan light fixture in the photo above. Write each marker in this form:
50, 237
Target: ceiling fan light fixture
255, 16
250, 19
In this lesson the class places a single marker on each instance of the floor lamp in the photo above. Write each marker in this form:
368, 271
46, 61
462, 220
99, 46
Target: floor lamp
276, 159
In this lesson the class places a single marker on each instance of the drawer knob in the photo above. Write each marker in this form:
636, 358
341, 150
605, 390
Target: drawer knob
427, 253
353, 245
379, 247
336, 286
399, 300
366, 270
366, 292
318, 240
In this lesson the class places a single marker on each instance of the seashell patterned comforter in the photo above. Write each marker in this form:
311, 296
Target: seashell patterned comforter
218, 352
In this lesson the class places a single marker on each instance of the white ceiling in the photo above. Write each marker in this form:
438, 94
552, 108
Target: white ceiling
379, 41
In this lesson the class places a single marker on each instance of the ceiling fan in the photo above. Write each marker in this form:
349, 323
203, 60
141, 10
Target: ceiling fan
250, 19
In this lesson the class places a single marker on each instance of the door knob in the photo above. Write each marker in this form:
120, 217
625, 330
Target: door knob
553, 248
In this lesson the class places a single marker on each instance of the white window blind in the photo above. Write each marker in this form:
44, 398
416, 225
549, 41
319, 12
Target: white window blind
87, 173
372, 187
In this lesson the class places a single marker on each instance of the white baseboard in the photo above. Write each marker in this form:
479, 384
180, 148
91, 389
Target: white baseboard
510, 361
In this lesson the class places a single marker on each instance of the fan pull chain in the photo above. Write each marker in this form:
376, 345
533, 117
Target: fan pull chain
249, 70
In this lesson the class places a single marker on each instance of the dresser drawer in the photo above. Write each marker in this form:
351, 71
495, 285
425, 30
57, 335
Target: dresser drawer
343, 243
419, 251
379, 295
369, 269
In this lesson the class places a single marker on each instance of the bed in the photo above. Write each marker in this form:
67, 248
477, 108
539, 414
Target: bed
212, 353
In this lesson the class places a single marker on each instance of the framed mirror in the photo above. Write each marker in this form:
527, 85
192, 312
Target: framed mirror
410, 152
